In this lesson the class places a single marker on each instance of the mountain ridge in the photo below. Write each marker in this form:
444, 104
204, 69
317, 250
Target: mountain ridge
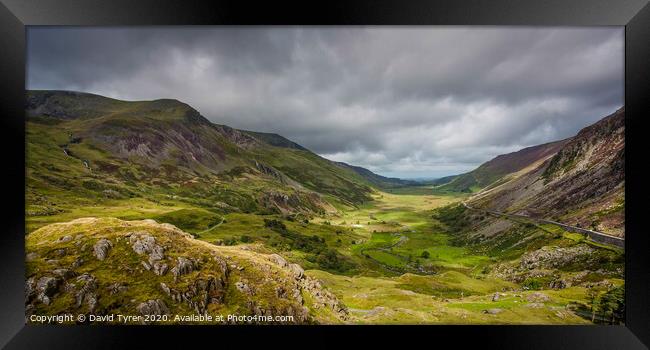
581, 184
498, 167
165, 142
379, 180
149, 208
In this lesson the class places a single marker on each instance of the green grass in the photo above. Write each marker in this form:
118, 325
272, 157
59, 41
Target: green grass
398, 255
191, 220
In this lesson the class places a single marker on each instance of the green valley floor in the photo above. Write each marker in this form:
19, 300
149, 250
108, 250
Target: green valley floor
408, 257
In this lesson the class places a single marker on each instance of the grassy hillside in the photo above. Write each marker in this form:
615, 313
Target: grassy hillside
141, 268
148, 208
86, 149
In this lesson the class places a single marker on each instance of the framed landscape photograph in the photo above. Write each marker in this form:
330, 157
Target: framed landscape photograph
447, 169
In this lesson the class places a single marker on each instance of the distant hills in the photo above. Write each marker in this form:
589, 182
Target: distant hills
500, 166
379, 180
82, 146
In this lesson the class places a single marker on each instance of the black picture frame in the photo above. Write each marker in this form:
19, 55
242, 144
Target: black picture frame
15, 15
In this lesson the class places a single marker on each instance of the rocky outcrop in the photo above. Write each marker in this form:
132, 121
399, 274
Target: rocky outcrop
278, 260
101, 248
322, 298
537, 297
493, 311
554, 257
271, 172
155, 307
159, 268
63, 273
283, 203
87, 286
145, 244
183, 267
237, 137
199, 294
297, 271
206, 278
46, 287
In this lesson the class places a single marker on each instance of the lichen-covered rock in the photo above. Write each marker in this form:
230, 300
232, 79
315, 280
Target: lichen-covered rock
165, 288
493, 311
157, 253
281, 292
153, 307
322, 297
183, 267
87, 285
297, 271
65, 238
199, 294
60, 252
278, 260
46, 287
101, 248
159, 268
537, 297
143, 243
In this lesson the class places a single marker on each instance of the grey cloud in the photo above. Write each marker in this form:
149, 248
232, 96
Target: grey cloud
406, 101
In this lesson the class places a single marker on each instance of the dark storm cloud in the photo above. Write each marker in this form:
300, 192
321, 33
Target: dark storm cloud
404, 101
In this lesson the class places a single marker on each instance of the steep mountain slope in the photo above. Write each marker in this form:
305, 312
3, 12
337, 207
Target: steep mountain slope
83, 148
582, 184
378, 180
142, 268
501, 166
275, 140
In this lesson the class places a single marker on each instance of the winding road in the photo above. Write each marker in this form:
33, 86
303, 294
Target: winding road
595, 235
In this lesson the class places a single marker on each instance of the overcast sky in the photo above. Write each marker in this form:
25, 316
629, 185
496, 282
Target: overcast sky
401, 101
